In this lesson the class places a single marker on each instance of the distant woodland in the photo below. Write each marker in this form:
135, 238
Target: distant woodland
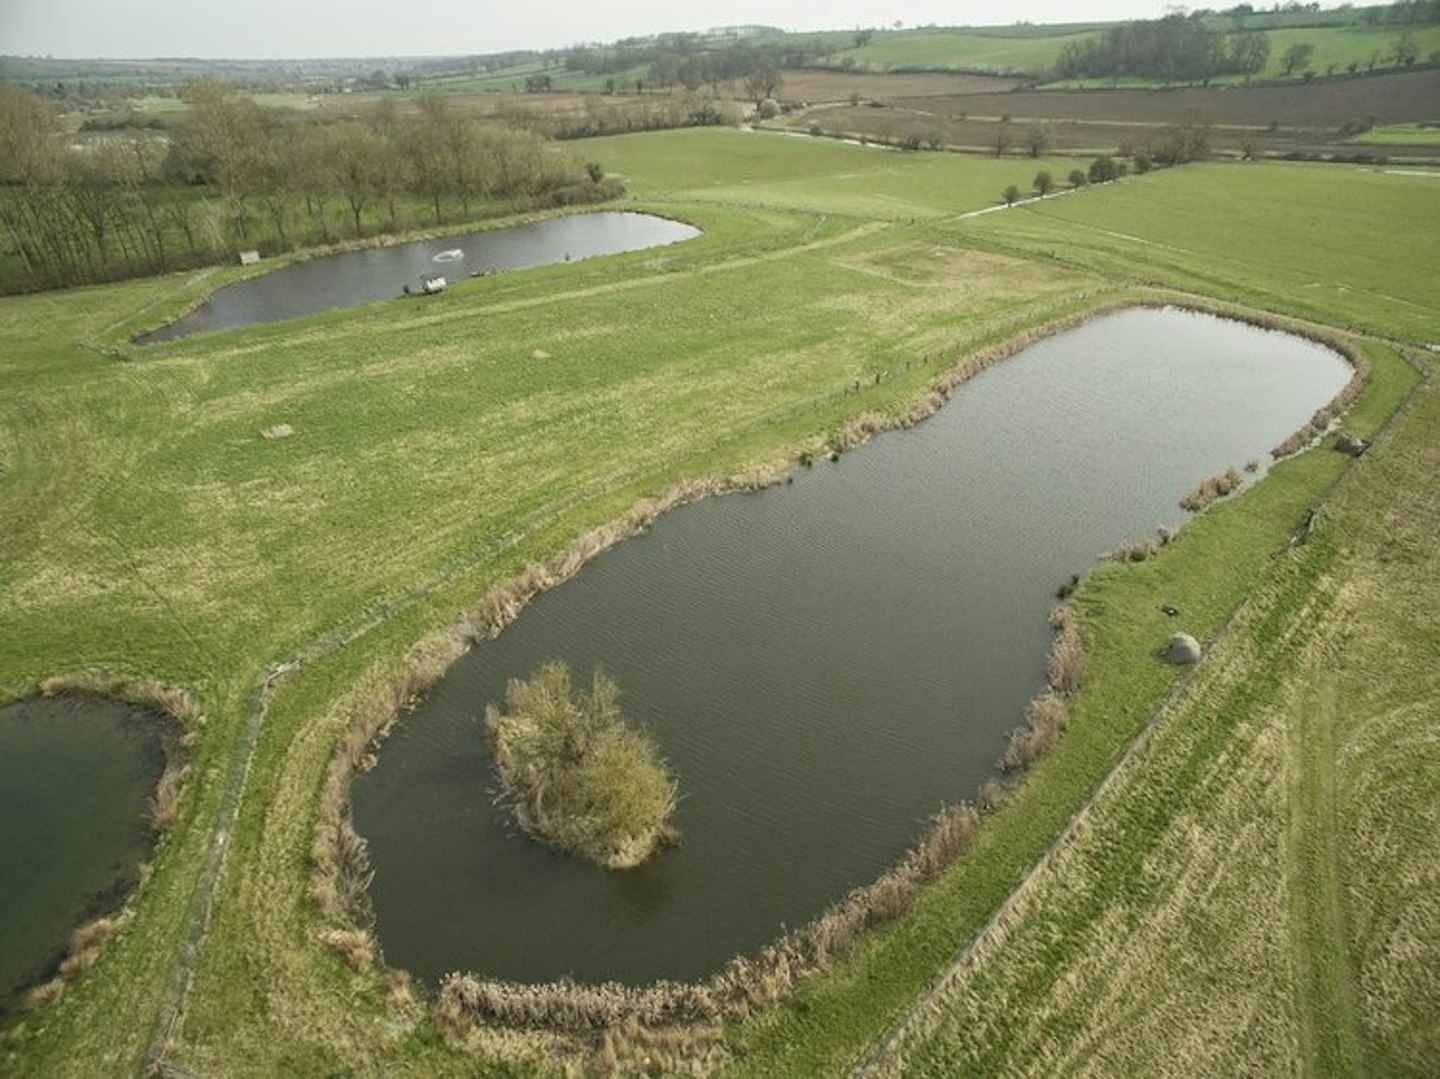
229, 174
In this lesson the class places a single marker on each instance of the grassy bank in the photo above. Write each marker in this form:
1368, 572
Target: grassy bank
1223, 896
1207, 571
149, 530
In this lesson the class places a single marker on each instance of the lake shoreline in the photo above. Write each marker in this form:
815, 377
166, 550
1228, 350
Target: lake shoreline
503, 603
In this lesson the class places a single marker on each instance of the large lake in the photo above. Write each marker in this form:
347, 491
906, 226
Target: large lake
76, 778
356, 277
824, 663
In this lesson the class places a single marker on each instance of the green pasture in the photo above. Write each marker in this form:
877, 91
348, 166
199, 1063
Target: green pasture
1401, 135
958, 49
512, 80
1341, 244
148, 528
801, 172
1342, 45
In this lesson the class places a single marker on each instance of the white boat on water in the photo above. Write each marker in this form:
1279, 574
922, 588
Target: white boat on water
455, 254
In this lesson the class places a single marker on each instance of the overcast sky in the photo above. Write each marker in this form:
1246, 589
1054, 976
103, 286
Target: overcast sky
303, 28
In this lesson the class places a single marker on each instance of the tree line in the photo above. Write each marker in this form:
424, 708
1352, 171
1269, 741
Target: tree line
1175, 47
230, 175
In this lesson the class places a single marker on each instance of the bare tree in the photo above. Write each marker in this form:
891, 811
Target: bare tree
223, 136
360, 160
1004, 135
1038, 138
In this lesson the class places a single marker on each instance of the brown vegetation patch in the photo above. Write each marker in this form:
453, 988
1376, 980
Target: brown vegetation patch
819, 85
1274, 120
1212, 490
1408, 97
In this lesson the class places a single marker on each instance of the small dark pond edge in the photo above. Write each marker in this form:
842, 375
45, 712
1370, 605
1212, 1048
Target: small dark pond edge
283, 260
748, 982
170, 714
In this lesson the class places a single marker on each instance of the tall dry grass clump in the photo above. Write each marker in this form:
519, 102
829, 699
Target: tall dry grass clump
1213, 489
171, 700
81, 955
1138, 551
1065, 666
1046, 717
1048, 713
576, 775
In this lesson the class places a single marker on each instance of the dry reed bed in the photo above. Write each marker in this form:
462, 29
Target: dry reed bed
1212, 490
180, 715
672, 1020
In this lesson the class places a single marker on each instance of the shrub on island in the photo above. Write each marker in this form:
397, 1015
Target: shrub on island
576, 775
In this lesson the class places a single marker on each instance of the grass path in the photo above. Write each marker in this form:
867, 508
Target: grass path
1323, 994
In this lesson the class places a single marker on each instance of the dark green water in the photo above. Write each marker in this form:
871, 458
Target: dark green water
76, 776
824, 663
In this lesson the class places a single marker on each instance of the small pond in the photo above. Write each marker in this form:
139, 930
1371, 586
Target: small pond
76, 777
823, 663
356, 277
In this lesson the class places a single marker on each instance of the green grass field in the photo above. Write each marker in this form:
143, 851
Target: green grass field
818, 175
512, 80
150, 530
960, 50
1400, 135
1341, 46
1335, 47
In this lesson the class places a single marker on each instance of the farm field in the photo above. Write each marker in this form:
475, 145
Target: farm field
1401, 134
975, 50
1035, 53
817, 85
1271, 119
801, 173
1407, 97
438, 447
